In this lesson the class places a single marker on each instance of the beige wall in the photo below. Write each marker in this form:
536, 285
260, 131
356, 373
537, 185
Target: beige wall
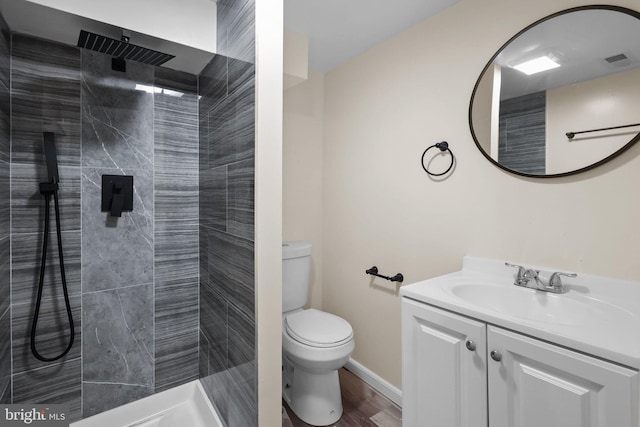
608, 101
370, 120
296, 59
302, 172
381, 110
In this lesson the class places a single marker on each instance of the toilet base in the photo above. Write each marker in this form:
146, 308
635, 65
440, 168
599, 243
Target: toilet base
314, 397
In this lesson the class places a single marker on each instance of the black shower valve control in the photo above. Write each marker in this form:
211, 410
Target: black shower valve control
117, 194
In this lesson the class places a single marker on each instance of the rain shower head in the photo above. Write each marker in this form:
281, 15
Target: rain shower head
122, 49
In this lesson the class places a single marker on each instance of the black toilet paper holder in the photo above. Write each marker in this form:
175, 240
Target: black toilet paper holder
374, 272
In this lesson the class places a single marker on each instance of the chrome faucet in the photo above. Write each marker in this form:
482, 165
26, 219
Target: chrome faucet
530, 278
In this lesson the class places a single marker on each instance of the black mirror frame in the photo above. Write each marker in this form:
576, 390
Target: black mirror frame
621, 150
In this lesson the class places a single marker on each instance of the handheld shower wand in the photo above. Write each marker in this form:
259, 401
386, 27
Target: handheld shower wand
48, 189
50, 156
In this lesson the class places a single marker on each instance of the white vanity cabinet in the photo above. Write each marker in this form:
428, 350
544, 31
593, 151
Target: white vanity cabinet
451, 378
443, 383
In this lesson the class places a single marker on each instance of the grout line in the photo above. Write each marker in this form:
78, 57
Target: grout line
11, 215
226, 195
82, 325
23, 234
153, 236
198, 211
117, 383
48, 366
118, 288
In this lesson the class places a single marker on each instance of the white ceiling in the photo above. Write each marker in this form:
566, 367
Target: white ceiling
579, 42
338, 30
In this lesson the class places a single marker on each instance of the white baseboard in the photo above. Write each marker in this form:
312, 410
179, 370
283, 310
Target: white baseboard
378, 383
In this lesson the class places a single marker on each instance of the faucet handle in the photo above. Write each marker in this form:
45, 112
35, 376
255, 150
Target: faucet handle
555, 280
508, 264
521, 271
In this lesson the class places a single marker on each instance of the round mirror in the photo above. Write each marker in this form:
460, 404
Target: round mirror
563, 95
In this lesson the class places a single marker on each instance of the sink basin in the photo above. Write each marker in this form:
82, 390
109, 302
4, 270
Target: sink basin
537, 306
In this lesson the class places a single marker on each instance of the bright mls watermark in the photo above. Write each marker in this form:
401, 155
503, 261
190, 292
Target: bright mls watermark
34, 415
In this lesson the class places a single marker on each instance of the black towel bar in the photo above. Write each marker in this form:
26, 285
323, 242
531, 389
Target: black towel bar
570, 135
374, 272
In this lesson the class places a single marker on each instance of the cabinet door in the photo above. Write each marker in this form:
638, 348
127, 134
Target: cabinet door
444, 383
538, 384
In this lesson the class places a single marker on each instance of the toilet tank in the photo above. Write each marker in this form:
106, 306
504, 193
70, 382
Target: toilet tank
296, 267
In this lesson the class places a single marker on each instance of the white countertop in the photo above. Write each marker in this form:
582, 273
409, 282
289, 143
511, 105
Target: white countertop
596, 315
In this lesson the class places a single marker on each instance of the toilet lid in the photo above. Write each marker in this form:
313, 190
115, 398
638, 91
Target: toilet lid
317, 328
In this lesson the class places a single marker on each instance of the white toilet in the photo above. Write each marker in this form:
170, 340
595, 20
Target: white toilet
315, 344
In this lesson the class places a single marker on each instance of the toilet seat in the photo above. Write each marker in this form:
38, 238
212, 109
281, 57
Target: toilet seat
316, 328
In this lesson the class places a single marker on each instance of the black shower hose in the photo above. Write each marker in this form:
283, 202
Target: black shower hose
43, 264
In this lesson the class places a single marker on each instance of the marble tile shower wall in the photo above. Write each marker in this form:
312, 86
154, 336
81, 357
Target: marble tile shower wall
227, 166
5, 216
133, 281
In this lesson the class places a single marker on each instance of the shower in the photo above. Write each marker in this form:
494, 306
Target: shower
129, 310
49, 189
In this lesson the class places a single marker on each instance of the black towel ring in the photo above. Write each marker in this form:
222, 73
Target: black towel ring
442, 146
